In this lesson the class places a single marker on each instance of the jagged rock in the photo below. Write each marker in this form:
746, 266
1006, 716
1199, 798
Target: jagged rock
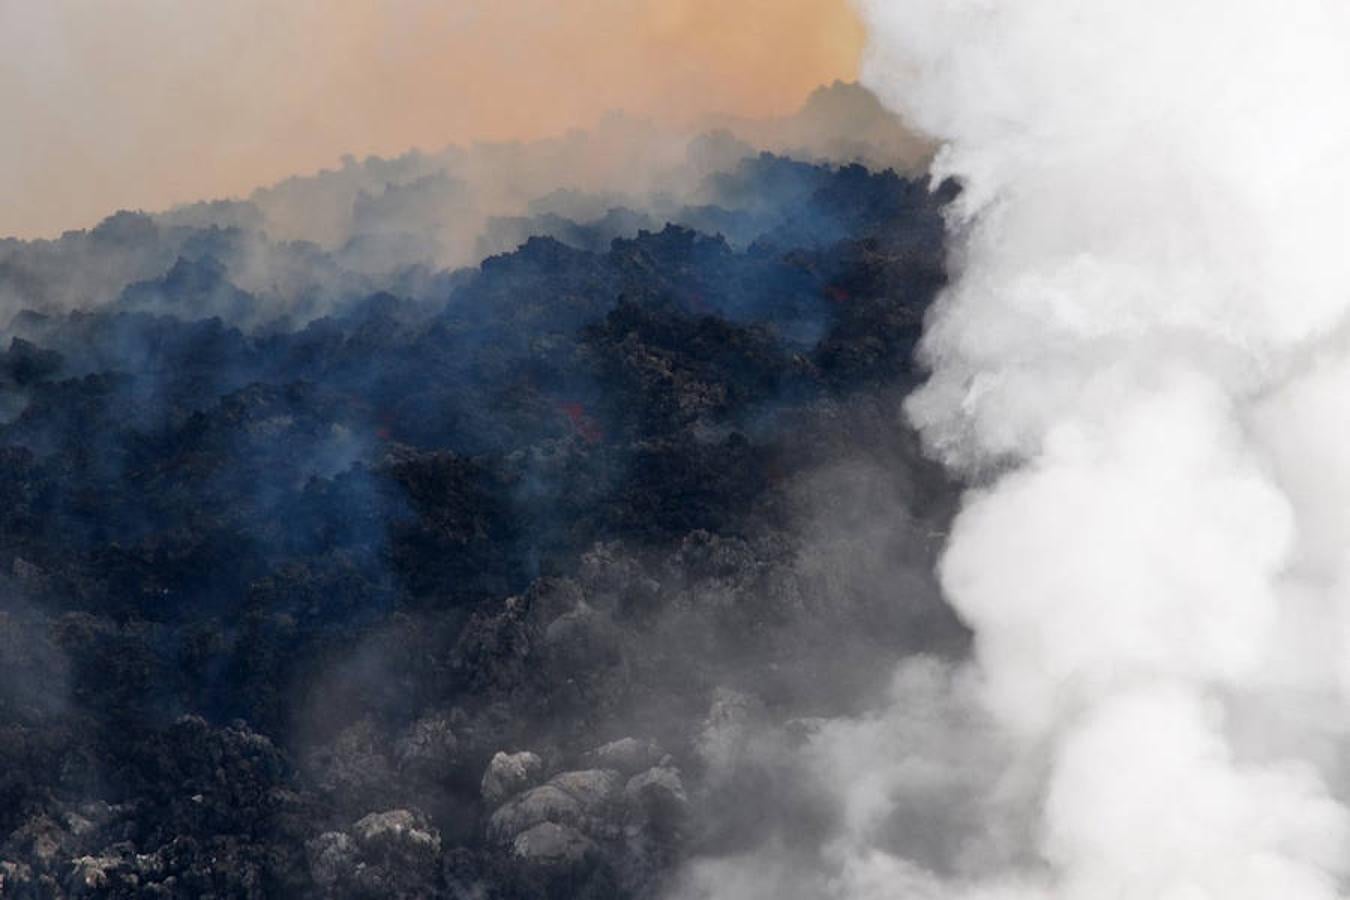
551, 845
508, 774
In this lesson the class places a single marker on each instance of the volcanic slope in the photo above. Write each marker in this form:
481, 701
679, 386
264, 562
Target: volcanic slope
480, 583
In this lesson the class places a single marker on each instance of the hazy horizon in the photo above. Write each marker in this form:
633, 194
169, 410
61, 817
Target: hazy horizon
153, 104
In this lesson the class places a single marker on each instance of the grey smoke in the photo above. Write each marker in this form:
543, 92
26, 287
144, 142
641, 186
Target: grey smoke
1142, 364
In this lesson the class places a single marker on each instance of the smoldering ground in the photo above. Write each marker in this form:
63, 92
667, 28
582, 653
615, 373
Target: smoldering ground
483, 583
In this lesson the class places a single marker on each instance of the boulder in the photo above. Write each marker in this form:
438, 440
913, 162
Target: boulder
551, 845
546, 803
627, 756
593, 789
508, 774
400, 831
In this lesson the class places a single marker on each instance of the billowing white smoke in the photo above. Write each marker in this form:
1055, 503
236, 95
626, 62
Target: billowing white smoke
1144, 357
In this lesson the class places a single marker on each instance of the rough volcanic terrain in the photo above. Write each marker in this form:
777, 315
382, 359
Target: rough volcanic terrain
506, 582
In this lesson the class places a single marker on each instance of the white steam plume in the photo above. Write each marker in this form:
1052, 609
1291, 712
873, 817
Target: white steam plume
1143, 354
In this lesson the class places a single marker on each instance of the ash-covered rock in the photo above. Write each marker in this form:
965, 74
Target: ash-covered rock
552, 846
508, 774
389, 854
546, 803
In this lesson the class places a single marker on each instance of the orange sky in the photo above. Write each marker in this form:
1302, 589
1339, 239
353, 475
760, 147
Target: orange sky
145, 103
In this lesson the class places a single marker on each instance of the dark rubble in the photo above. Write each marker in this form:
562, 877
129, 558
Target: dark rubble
477, 589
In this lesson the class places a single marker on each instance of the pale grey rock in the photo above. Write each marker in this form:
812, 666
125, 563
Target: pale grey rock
397, 828
549, 844
508, 774
627, 756
546, 803
593, 789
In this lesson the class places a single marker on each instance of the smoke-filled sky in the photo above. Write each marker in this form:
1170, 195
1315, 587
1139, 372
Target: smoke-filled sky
147, 103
